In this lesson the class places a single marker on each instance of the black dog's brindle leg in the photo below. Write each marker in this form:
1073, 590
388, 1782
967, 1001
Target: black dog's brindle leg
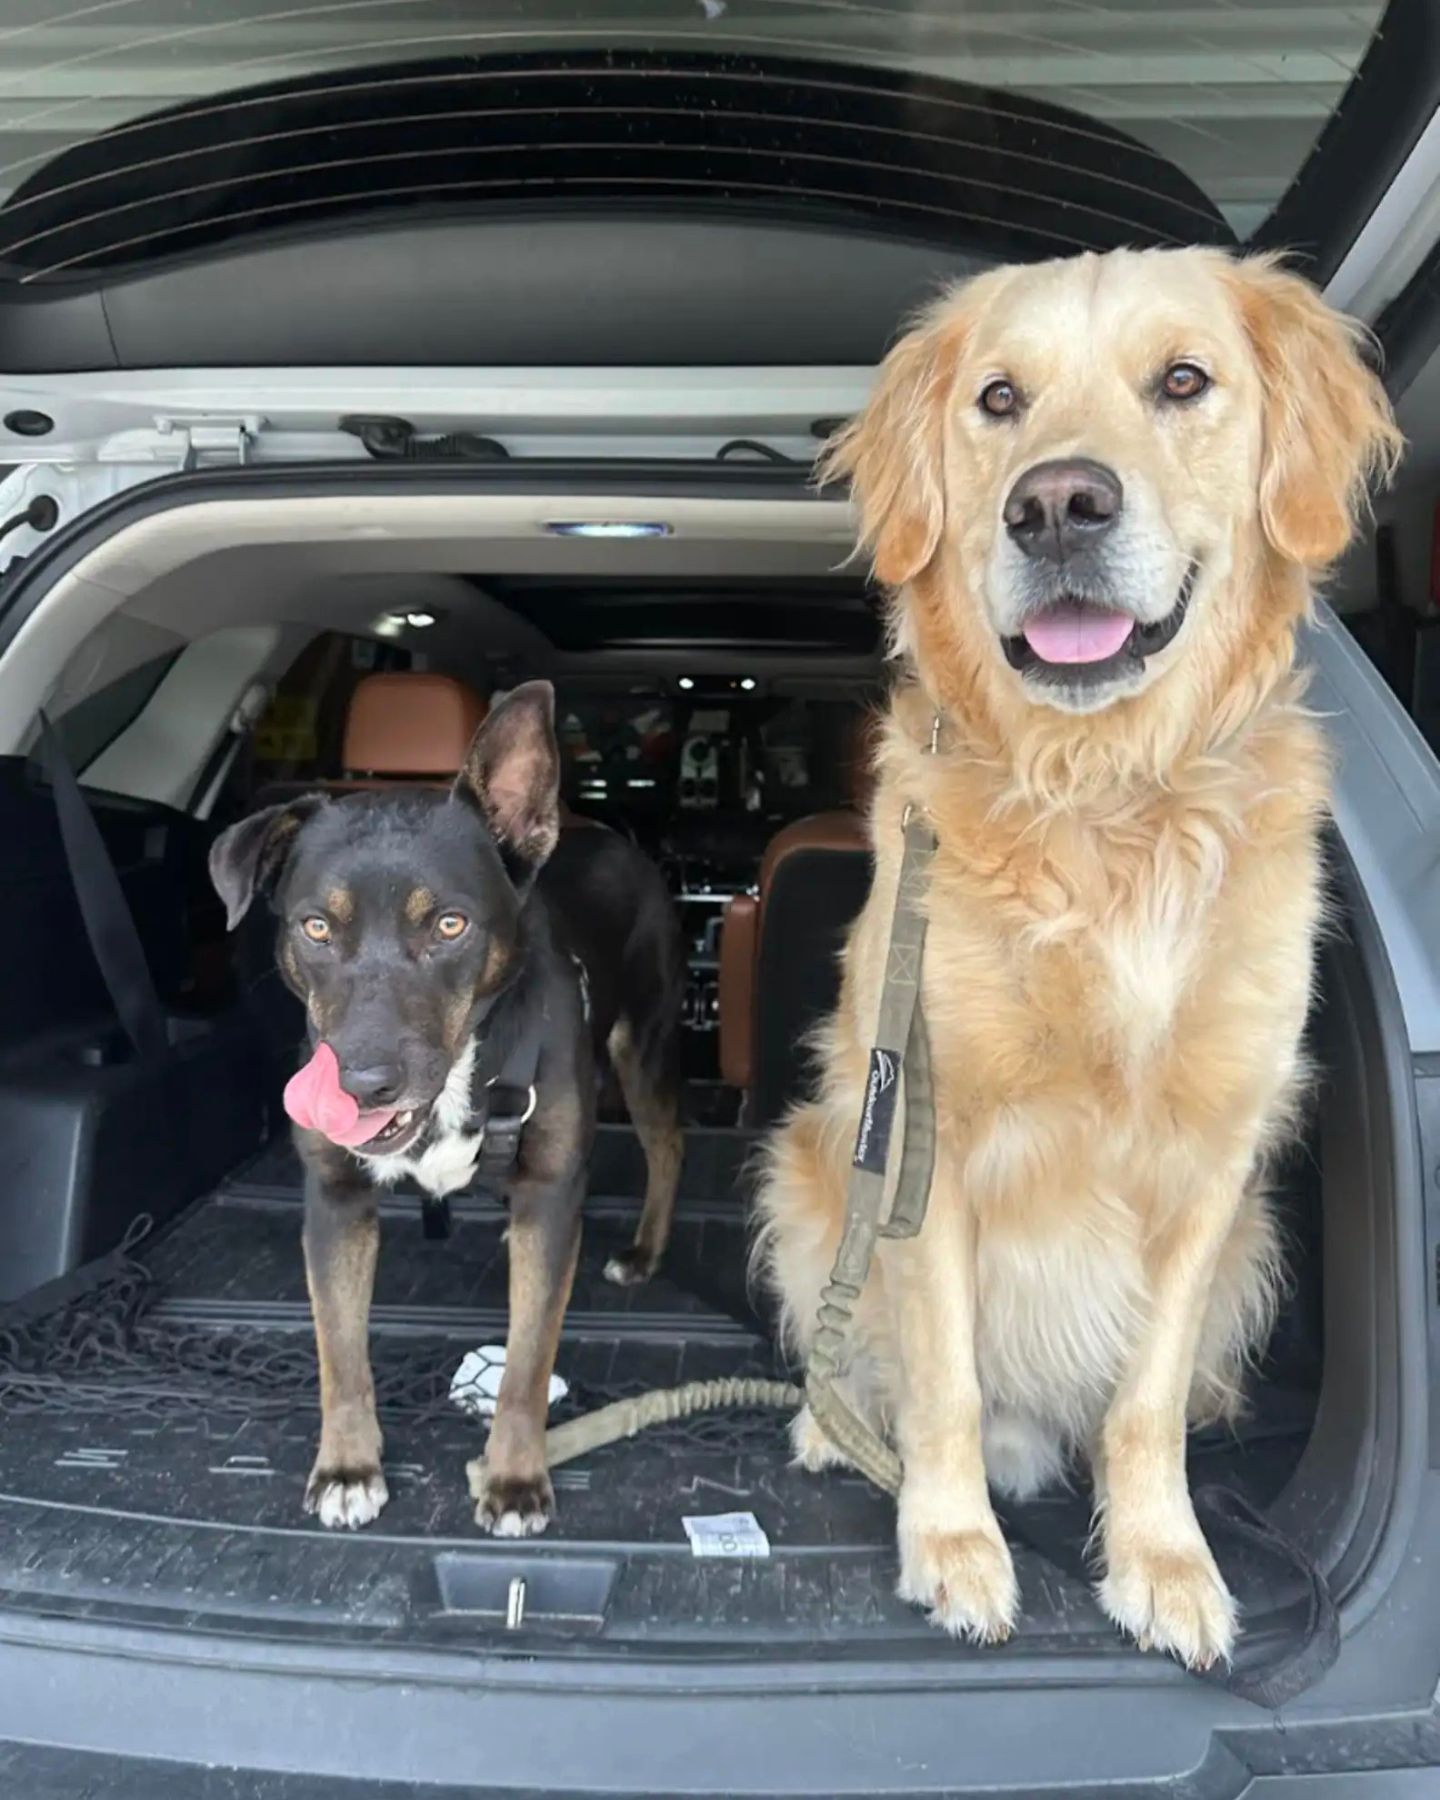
342, 1238
510, 1483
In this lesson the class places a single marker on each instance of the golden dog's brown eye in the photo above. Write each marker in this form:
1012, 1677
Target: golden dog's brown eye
1184, 381
316, 929
451, 925
999, 399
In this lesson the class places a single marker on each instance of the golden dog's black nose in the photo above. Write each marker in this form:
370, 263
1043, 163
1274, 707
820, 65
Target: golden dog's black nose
1057, 508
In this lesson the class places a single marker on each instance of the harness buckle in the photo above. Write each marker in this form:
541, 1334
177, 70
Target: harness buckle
514, 1121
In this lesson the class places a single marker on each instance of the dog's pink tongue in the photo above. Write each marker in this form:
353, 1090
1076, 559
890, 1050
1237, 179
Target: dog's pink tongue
315, 1100
1073, 632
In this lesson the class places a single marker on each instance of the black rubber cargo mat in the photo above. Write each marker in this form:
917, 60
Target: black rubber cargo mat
161, 1412
716, 1159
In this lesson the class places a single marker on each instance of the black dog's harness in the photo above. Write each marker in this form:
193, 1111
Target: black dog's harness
504, 1107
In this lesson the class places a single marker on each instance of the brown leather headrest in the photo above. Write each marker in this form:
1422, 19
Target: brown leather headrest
410, 723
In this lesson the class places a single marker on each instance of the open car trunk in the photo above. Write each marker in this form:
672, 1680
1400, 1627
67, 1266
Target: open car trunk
159, 1392
170, 1388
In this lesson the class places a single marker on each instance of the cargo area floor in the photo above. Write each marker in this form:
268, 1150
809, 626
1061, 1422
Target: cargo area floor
161, 1412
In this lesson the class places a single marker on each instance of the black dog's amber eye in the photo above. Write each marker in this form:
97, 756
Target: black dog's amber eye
1184, 381
316, 929
451, 925
999, 399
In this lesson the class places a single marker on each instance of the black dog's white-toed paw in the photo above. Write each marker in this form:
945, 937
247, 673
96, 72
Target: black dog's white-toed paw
510, 1505
630, 1267
345, 1498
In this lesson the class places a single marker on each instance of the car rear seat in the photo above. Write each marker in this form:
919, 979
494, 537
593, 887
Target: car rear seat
406, 725
780, 947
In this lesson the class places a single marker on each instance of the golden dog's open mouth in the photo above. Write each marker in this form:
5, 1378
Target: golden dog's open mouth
1078, 640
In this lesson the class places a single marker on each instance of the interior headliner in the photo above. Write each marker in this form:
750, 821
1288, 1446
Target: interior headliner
340, 562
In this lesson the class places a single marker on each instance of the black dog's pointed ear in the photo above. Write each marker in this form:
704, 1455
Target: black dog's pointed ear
513, 772
247, 859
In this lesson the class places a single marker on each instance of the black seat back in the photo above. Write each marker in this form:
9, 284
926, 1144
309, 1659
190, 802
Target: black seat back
813, 897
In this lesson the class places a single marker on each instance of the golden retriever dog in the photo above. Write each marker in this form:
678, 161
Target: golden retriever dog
1099, 490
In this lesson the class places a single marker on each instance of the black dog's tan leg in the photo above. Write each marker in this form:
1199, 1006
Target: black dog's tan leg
655, 1113
342, 1238
509, 1483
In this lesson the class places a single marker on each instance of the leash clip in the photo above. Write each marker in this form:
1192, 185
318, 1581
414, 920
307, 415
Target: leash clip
931, 749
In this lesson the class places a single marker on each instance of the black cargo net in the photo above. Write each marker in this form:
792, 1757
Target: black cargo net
91, 1344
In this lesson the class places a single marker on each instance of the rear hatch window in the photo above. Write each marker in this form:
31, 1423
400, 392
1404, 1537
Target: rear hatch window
148, 135
141, 129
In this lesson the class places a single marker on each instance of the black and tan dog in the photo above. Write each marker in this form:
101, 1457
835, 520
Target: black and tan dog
431, 936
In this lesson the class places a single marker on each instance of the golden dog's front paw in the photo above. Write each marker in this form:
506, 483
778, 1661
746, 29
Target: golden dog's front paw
1171, 1597
964, 1579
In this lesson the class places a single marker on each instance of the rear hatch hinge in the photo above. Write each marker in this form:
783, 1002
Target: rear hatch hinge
207, 442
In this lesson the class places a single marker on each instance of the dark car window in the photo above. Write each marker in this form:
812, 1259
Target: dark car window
94, 723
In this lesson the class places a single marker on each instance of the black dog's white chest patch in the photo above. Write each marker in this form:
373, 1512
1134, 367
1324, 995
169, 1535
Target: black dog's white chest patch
444, 1161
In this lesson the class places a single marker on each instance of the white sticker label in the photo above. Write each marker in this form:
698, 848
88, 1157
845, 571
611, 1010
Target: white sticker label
726, 1534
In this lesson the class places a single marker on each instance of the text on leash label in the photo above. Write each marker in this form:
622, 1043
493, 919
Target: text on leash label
877, 1115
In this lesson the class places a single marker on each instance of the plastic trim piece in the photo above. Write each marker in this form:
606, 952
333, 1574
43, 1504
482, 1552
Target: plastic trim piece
1409, 327
23, 587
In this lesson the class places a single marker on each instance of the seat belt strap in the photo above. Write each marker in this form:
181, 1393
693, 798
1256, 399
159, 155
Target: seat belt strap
104, 910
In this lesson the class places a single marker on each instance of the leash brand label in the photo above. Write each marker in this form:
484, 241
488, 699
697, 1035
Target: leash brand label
734, 1536
877, 1116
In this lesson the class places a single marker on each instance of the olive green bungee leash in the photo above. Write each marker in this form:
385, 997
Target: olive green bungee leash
901, 1024
901, 1047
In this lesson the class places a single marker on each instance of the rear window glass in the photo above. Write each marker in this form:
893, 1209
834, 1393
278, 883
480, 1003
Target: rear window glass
300, 734
136, 128
94, 723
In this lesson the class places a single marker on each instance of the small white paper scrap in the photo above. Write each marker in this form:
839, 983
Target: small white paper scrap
475, 1385
726, 1534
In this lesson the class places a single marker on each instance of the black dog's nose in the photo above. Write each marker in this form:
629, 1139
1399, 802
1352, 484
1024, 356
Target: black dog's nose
1059, 507
381, 1085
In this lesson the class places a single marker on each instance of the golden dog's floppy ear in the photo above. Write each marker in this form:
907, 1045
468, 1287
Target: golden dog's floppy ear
1327, 426
893, 451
